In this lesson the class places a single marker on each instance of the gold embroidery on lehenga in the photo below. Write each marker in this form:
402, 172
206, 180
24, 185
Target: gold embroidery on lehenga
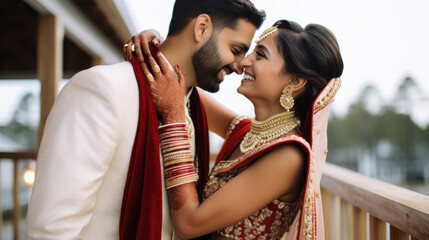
270, 222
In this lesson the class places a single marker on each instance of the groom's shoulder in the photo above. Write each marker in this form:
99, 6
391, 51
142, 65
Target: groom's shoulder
122, 70
114, 78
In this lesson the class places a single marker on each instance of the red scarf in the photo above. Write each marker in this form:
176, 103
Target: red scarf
234, 139
141, 213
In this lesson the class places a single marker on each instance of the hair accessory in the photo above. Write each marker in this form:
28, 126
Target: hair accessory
267, 33
286, 99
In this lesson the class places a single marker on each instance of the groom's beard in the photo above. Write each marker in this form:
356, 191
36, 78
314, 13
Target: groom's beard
207, 64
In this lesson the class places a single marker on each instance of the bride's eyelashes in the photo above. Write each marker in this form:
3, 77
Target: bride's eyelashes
260, 54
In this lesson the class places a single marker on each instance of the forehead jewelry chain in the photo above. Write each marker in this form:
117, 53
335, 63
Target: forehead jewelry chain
267, 33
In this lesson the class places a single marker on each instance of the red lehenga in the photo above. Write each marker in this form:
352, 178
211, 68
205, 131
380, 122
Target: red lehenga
302, 219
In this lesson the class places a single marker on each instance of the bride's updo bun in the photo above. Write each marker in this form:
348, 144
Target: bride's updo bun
311, 53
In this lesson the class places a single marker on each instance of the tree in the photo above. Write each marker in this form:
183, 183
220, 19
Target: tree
22, 128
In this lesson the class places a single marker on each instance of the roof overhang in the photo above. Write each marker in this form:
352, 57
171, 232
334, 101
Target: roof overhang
83, 32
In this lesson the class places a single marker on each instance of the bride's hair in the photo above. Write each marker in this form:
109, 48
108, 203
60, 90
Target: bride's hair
311, 53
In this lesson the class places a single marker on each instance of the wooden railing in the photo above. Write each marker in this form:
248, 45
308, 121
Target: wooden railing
357, 207
15, 157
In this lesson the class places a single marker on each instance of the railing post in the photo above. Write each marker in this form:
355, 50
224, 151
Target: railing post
377, 228
326, 202
335, 217
16, 200
360, 224
49, 64
396, 234
347, 220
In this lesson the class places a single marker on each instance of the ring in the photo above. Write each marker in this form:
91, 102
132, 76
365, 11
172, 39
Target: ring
125, 45
156, 69
149, 77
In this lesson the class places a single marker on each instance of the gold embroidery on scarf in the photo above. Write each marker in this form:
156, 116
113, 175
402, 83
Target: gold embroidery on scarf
234, 122
308, 228
327, 95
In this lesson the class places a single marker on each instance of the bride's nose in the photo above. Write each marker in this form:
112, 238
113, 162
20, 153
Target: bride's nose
246, 62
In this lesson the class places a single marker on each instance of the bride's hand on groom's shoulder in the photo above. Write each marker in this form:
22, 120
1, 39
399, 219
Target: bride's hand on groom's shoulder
141, 44
168, 93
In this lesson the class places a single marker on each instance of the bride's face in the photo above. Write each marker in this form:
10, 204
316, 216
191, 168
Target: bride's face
264, 77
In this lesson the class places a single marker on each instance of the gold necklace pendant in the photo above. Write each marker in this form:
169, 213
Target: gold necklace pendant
265, 131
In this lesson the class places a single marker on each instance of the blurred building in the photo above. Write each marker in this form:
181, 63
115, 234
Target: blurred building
50, 40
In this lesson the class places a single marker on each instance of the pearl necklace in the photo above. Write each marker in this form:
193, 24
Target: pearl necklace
265, 131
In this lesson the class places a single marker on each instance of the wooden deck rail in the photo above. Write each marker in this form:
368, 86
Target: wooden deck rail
16, 157
354, 204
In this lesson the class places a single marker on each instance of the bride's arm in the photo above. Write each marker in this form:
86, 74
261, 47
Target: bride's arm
273, 175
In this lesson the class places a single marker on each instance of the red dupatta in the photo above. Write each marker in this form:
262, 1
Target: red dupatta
141, 213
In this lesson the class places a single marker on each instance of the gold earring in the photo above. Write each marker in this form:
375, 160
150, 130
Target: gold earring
286, 99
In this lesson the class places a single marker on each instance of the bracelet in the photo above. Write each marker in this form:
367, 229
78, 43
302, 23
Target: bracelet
177, 155
177, 182
166, 164
181, 147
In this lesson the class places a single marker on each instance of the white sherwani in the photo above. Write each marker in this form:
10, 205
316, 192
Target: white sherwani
84, 157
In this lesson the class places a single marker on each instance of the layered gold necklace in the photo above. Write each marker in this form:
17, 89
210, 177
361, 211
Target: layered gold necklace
265, 131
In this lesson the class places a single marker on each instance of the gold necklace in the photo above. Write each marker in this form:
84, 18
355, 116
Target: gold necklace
265, 131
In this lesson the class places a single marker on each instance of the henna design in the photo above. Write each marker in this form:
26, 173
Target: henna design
180, 194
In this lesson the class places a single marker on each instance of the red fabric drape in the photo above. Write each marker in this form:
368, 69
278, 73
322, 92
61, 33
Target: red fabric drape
202, 150
234, 139
141, 213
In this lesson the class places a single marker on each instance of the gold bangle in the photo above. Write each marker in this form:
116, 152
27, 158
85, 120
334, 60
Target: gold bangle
176, 153
180, 181
171, 158
167, 150
175, 161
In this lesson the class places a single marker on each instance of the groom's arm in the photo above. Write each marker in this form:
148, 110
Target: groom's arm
79, 141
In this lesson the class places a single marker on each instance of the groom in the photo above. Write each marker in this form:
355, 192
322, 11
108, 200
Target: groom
99, 173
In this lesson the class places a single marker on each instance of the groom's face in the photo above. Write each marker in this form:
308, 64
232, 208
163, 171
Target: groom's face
221, 55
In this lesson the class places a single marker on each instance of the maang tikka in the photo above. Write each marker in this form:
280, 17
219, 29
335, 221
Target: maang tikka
286, 99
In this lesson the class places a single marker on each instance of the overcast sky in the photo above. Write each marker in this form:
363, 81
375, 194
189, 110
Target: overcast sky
381, 41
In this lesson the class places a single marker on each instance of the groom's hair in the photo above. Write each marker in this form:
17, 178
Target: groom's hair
223, 13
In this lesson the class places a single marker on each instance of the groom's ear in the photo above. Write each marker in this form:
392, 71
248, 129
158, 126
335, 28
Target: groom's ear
203, 28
